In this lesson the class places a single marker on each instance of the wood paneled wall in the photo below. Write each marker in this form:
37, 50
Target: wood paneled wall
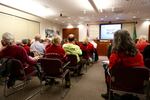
67, 31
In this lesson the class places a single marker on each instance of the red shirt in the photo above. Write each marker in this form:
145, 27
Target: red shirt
85, 51
56, 49
47, 46
127, 61
141, 45
90, 47
17, 53
27, 48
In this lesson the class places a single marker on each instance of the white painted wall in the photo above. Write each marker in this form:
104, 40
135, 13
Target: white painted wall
141, 29
141, 26
43, 22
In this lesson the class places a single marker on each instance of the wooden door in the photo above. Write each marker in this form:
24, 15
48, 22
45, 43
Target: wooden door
67, 31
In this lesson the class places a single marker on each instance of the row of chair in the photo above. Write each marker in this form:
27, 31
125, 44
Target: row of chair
51, 67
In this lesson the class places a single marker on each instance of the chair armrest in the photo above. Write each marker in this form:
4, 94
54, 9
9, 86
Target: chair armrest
66, 64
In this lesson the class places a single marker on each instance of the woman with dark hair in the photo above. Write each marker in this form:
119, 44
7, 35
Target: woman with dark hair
124, 53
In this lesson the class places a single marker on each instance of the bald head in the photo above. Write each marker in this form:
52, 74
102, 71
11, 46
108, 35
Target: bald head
71, 38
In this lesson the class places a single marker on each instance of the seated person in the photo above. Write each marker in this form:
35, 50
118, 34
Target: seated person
56, 51
37, 47
56, 48
25, 45
72, 48
141, 43
91, 49
95, 53
10, 49
85, 50
47, 42
124, 53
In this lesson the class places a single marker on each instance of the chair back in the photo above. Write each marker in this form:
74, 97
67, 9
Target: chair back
129, 79
72, 59
51, 67
11, 67
52, 55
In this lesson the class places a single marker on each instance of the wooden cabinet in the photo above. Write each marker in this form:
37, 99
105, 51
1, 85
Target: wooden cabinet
102, 48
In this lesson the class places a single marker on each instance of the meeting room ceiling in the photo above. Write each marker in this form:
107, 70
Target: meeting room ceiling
88, 11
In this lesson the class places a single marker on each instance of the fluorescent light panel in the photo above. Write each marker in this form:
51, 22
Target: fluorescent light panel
103, 4
69, 26
30, 6
84, 4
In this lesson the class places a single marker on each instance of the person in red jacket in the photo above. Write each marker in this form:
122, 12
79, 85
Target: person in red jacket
142, 43
56, 48
10, 49
124, 53
25, 46
87, 49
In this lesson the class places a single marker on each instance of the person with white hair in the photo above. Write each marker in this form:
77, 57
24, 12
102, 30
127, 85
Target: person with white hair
141, 43
7, 39
10, 49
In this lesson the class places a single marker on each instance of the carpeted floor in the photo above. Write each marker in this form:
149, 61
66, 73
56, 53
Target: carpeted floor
87, 87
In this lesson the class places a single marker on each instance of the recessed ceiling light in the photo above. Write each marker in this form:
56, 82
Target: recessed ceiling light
117, 18
103, 4
69, 17
83, 4
134, 17
84, 11
69, 26
147, 19
101, 10
101, 18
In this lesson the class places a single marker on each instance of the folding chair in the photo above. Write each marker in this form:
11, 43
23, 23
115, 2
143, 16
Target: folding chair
129, 80
52, 55
13, 71
54, 68
73, 65
85, 55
